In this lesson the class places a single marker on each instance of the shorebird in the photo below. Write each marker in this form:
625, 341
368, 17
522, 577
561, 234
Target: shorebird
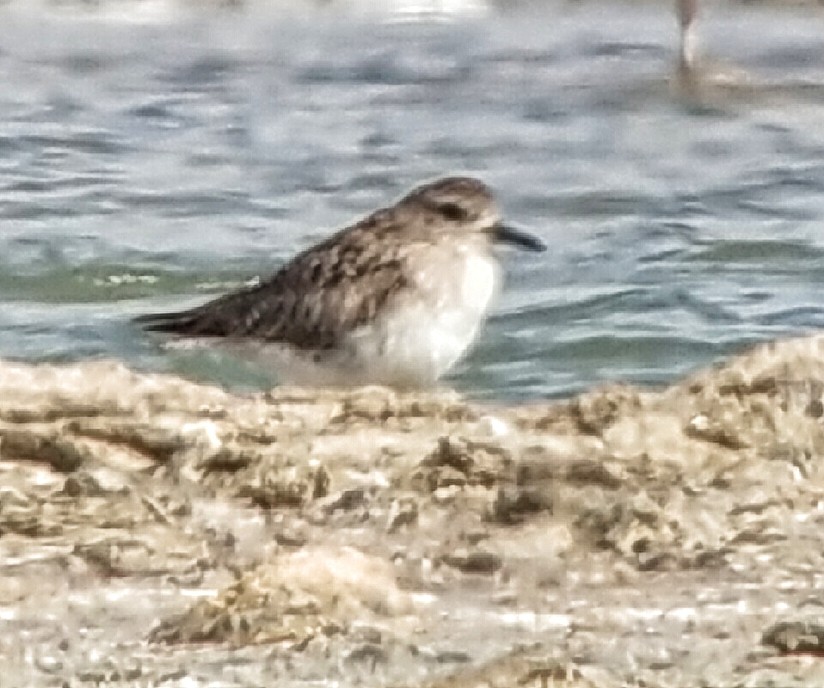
394, 299
695, 73
687, 12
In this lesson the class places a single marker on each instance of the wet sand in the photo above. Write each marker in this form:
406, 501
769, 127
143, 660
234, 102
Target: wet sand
155, 531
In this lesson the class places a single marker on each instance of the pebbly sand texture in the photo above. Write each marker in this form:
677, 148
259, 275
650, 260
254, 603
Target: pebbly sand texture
159, 532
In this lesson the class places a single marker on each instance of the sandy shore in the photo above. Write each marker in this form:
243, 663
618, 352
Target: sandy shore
158, 532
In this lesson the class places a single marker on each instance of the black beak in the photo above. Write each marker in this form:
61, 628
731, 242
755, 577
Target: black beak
507, 234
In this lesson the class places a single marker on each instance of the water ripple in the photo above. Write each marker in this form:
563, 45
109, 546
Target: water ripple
152, 165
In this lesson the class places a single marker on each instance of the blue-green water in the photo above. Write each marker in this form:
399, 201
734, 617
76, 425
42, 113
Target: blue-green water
149, 164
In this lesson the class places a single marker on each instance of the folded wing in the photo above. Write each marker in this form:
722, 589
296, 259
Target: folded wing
310, 303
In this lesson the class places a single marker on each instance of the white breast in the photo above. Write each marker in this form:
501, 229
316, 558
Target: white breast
480, 284
428, 330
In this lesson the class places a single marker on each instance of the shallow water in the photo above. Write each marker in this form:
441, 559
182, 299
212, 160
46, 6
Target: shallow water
150, 161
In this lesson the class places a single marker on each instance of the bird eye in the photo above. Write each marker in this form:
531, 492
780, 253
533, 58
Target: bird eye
452, 211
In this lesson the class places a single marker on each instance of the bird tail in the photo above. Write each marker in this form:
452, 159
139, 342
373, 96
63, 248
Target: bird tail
180, 322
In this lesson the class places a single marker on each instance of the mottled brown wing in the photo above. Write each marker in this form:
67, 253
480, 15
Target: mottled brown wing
319, 296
